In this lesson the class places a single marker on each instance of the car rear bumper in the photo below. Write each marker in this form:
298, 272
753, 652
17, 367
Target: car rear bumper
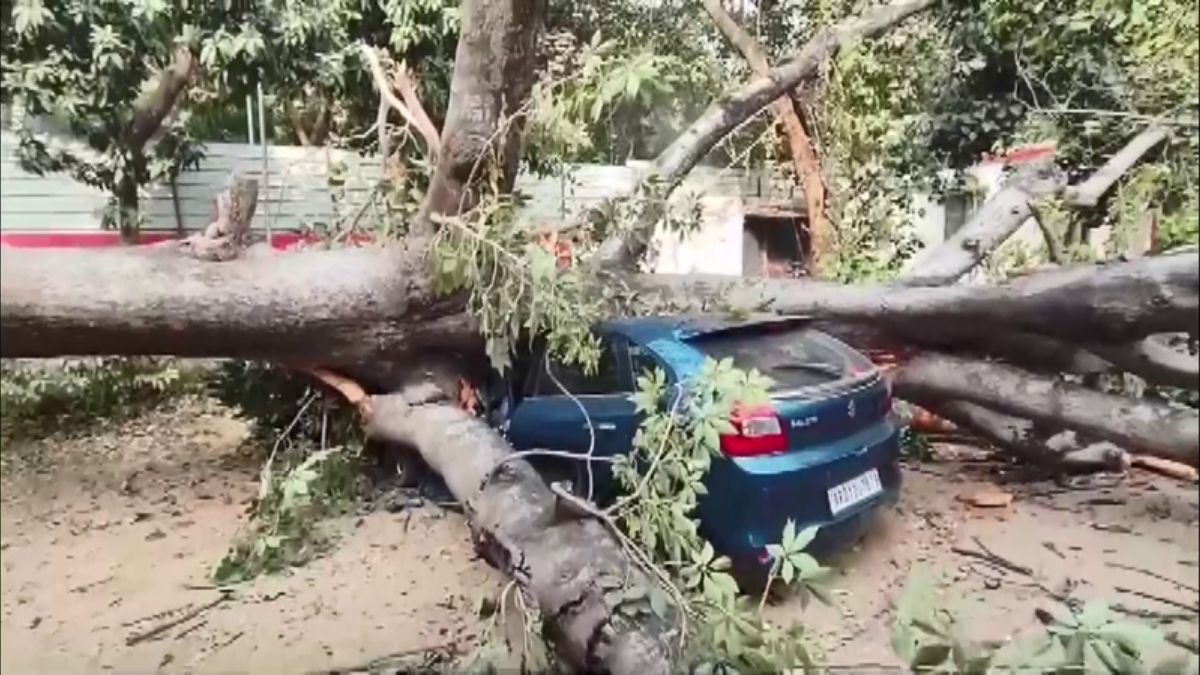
750, 500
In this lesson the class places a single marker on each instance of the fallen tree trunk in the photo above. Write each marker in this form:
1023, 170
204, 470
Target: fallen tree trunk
1114, 304
572, 565
344, 306
1020, 438
1146, 426
1002, 215
354, 305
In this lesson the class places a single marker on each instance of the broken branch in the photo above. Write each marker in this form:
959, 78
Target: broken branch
1146, 425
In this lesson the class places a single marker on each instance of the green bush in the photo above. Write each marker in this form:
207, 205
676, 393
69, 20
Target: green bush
39, 398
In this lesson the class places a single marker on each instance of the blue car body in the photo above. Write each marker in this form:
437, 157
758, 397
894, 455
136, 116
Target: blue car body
834, 410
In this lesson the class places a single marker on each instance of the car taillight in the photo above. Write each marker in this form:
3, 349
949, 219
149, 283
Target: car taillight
756, 432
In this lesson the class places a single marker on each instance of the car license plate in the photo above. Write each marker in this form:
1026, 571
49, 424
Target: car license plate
853, 491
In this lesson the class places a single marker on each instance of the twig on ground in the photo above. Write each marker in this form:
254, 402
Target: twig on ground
385, 661
164, 627
1158, 598
192, 628
984, 553
1151, 573
214, 648
157, 615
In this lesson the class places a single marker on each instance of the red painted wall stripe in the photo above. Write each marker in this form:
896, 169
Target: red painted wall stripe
281, 240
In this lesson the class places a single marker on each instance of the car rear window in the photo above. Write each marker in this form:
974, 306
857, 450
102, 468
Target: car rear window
791, 359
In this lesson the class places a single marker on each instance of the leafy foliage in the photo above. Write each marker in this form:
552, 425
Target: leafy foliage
79, 392
284, 404
515, 290
286, 527
663, 481
931, 638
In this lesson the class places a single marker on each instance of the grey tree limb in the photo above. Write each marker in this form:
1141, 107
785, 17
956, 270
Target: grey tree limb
1145, 426
1002, 215
726, 113
1089, 192
1115, 303
571, 566
342, 306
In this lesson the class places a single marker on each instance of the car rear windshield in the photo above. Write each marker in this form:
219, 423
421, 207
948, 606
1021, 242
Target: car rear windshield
792, 359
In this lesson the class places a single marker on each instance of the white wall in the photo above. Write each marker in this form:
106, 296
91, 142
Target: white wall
715, 249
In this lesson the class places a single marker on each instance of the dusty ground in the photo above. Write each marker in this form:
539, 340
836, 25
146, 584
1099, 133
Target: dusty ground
107, 536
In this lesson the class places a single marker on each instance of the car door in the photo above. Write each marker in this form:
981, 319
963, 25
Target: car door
550, 418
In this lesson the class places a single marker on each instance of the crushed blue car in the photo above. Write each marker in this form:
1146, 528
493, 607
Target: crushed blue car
824, 453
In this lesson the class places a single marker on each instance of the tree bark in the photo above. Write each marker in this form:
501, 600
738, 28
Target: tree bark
1002, 215
343, 306
724, 115
410, 108
1116, 303
338, 306
804, 158
1140, 425
481, 136
570, 564
149, 113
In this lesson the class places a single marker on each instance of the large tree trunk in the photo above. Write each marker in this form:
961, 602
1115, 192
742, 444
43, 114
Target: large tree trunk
358, 304
1141, 425
804, 158
1115, 303
345, 306
571, 564
481, 137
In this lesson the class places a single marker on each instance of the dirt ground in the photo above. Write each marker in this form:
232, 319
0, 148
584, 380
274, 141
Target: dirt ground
108, 537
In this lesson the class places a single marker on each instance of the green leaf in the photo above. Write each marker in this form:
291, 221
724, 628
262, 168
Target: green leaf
805, 537
904, 641
930, 655
1095, 614
788, 571
789, 535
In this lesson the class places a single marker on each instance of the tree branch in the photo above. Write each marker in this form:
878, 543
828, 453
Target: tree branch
804, 158
1089, 192
1140, 425
1113, 304
1002, 215
725, 114
149, 112
410, 109
571, 566
481, 136
1153, 361
1020, 438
